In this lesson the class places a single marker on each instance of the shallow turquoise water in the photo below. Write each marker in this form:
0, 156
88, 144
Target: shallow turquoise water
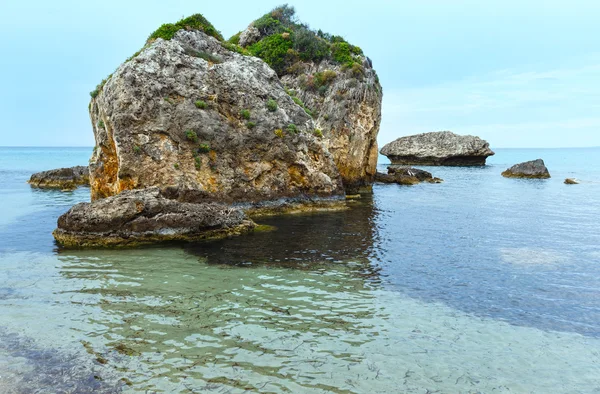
479, 284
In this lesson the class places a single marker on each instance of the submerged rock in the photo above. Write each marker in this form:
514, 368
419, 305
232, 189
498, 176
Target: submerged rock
146, 216
442, 148
406, 176
535, 169
62, 178
571, 181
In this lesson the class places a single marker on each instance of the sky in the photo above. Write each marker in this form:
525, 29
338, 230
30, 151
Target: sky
516, 73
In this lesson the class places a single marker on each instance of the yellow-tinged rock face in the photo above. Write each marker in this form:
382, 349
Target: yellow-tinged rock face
168, 117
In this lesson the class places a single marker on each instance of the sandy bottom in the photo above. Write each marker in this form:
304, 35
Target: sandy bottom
165, 321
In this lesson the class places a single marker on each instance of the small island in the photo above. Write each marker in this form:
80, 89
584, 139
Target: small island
442, 148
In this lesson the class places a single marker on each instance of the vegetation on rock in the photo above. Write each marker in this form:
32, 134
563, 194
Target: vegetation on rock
286, 41
194, 22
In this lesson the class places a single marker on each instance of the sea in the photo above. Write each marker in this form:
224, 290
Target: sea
480, 284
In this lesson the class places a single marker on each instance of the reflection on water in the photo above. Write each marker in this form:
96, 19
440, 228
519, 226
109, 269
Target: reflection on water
161, 320
479, 284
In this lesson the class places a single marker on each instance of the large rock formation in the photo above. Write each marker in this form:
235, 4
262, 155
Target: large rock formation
442, 148
146, 216
334, 81
535, 169
62, 178
191, 113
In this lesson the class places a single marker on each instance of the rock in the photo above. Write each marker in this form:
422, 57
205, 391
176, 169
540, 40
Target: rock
62, 178
348, 112
442, 148
571, 181
535, 169
406, 176
146, 216
190, 113
344, 97
249, 36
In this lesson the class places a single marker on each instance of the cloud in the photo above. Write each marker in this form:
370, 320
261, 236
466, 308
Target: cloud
513, 108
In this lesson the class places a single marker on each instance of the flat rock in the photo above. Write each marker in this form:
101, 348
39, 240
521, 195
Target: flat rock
146, 216
535, 169
406, 176
571, 181
442, 148
62, 178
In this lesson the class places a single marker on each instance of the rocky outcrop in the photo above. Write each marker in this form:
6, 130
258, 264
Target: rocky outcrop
406, 176
334, 81
191, 113
442, 148
62, 178
146, 216
348, 112
535, 169
571, 181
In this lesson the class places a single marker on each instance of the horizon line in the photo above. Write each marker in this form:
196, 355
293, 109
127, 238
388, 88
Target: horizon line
92, 147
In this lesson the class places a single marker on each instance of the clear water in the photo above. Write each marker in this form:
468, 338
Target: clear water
479, 284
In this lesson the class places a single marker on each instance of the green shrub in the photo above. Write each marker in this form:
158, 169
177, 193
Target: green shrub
245, 114
323, 90
309, 46
251, 125
274, 50
341, 53
358, 71
94, 93
191, 135
272, 105
292, 128
176, 166
201, 104
194, 22
198, 162
324, 78
235, 39
203, 148
137, 150
318, 133
100, 124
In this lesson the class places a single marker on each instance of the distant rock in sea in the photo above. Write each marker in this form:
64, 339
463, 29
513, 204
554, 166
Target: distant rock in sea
406, 176
571, 181
442, 148
535, 169
146, 216
62, 178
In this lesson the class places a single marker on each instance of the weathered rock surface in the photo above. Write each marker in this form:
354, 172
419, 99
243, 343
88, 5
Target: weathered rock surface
175, 115
535, 169
406, 176
146, 216
344, 97
62, 178
349, 114
442, 148
571, 181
